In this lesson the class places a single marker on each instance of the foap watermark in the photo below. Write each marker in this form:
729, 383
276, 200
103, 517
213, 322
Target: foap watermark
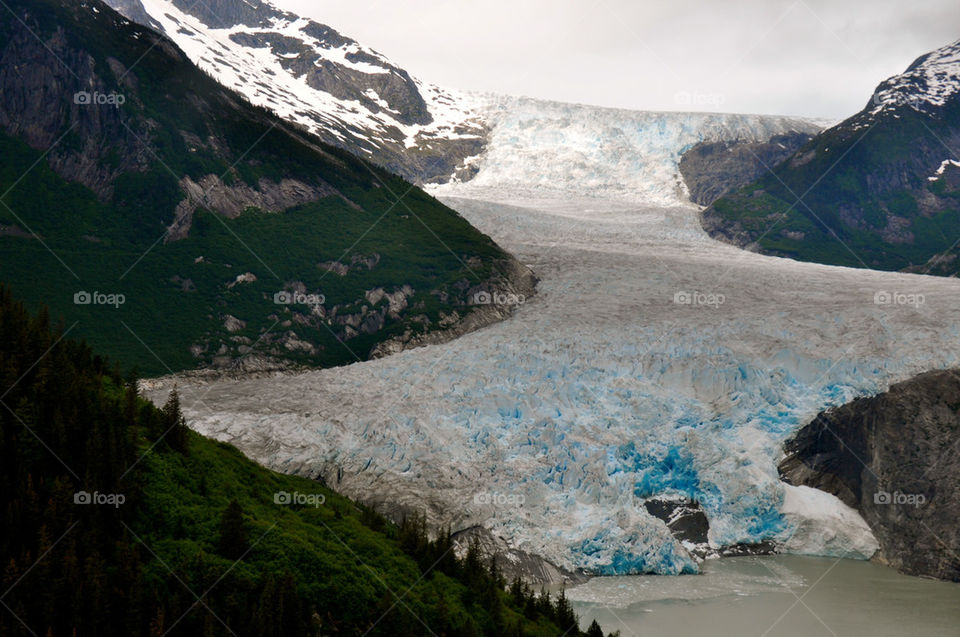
96, 98
687, 98
900, 499
497, 298
897, 98
710, 299
499, 499
98, 298
911, 299
299, 499
99, 499
298, 298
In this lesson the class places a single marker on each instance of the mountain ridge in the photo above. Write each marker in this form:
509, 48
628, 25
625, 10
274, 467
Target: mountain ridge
878, 190
349, 95
143, 177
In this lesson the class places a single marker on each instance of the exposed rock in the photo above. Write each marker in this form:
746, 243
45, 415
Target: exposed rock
686, 520
186, 285
532, 569
894, 458
511, 278
231, 200
334, 266
233, 324
246, 277
710, 169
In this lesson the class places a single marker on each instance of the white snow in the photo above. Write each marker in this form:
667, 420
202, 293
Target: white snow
257, 73
932, 82
943, 166
820, 524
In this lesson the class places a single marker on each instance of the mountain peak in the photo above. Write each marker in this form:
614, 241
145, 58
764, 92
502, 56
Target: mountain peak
928, 83
306, 72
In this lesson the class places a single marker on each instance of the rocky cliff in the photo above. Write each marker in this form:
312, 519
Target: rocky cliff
894, 457
711, 169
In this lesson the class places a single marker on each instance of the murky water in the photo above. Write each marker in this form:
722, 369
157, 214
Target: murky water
781, 596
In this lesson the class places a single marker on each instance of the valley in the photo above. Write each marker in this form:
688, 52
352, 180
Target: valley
353, 353
653, 361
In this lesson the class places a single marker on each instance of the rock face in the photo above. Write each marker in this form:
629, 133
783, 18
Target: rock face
879, 190
348, 95
711, 169
894, 458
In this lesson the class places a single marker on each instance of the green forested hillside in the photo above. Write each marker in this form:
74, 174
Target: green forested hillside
118, 520
169, 195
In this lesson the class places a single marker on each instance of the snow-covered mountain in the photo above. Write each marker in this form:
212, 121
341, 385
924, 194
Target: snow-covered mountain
880, 189
356, 98
310, 74
927, 84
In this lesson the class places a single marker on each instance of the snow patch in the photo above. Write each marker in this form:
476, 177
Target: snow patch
820, 524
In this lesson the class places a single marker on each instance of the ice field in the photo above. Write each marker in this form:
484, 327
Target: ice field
653, 360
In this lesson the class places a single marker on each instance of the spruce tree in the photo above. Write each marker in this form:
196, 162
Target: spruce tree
175, 425
234, 538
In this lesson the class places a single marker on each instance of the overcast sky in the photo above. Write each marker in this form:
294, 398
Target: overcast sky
818, 58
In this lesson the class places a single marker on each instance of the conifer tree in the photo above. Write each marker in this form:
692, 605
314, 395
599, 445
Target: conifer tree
234, 538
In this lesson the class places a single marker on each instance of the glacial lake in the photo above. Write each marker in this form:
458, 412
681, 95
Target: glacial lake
774, 596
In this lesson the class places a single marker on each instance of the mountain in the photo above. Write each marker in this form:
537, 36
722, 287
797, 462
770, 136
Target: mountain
354, 97
893, 458
711, 169
176, 225
349, 95
879, 190
116, 519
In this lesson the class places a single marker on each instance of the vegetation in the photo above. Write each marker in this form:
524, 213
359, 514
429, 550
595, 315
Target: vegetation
180, 535
851, 184
176, 123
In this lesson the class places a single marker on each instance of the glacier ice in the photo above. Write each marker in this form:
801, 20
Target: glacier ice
615, 382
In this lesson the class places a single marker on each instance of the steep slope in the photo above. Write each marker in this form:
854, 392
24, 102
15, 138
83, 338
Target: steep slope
180, 226
711, 169
879, 190
114, 519
349, 95
893, 457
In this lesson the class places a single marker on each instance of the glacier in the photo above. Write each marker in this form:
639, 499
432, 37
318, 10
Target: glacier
653, 361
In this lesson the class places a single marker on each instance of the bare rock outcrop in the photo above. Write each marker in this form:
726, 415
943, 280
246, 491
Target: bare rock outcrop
894, 457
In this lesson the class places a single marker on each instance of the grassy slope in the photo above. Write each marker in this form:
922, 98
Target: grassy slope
351, 572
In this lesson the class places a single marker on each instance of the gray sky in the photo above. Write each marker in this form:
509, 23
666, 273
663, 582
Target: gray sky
795, 57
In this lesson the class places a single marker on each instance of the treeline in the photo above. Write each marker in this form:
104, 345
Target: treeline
118, 520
